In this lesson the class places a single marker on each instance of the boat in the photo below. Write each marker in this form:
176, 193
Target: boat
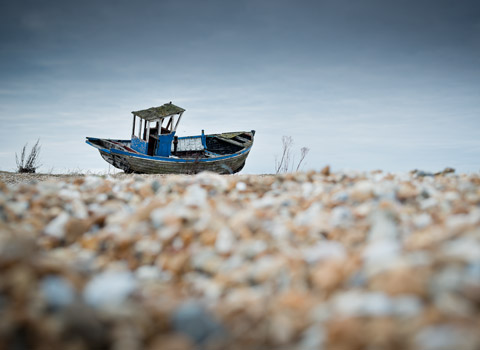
154, 147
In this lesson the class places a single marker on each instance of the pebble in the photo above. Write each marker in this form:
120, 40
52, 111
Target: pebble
193, 320
317, 260
324, 250
341, 217
382, 226
241, 186
359, 304
147, 272
380, 255
58, 292
109, 288
446, 337
467, 249
362, 190
313, 338
407, 306
422, 220
225, 240
56, 227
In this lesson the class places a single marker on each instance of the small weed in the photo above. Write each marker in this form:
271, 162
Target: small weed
28, 164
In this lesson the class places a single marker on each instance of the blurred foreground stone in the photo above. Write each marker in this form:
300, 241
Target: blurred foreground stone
298, 261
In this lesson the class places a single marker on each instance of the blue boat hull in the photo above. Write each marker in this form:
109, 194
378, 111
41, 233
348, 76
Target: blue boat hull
218, 159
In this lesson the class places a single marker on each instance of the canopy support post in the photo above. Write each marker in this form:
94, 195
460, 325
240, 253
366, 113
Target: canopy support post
133, 128
178, 121
169, 126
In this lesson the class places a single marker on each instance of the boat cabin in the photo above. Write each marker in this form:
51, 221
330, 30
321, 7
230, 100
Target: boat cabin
153, 130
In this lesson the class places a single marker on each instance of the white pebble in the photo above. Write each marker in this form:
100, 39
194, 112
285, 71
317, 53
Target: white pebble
382, 226
195, 196
324, 250
225, 240
147, 273
56, 227
355, 303
109, 289
241, 186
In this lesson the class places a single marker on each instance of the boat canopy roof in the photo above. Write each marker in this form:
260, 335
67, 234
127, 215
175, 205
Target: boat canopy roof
155, 113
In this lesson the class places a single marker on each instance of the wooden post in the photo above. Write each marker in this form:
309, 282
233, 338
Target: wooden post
133, 129
178, 121
175, 144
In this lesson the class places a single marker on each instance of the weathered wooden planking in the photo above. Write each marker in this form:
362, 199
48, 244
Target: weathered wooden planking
153, 166
233, 142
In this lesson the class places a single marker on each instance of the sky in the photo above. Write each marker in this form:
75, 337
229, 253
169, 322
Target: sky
364, 84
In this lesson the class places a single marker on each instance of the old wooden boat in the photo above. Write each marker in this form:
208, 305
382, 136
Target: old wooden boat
154, 147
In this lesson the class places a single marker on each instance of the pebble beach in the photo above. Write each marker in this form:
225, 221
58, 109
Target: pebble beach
301, 261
